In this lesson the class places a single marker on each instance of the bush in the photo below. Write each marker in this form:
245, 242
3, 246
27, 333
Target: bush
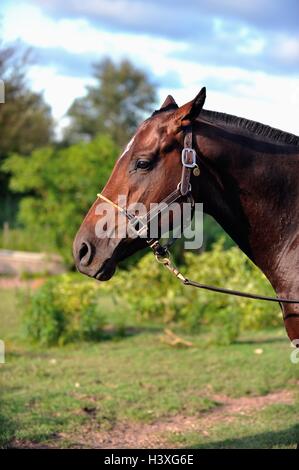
66, 308
63, 310
151, 292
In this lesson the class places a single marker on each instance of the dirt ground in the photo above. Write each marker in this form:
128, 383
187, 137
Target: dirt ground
126, 435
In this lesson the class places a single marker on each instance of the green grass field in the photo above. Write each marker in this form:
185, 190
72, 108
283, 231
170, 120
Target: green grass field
134, 390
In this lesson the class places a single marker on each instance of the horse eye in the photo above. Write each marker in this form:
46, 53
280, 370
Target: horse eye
143, 164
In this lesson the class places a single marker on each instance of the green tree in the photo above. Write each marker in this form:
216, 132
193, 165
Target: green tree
116, 104
25, 119
60, 184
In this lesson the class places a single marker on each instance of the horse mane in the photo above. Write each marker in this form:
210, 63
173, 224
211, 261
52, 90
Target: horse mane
262, 130
252, 127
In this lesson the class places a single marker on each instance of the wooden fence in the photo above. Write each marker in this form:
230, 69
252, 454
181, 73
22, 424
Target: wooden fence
18, 262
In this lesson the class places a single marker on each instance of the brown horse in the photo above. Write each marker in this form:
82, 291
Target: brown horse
248, 182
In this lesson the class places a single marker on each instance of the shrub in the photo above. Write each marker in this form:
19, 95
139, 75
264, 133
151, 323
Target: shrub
66, 308
63, 310
151, 292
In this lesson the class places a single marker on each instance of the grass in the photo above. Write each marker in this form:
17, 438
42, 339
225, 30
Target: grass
136, 378
274, 427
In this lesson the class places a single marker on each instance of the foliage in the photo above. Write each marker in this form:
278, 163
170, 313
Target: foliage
63, 311
60, 184
22, 239
116, 104
213, 232
148, 293
25, 119
151, 292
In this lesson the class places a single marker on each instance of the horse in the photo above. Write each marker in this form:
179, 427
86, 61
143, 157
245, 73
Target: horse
248, 182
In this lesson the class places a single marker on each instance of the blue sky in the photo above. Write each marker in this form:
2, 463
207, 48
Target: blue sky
245, 52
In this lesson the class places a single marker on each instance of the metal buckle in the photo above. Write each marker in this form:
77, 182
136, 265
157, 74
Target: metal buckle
179, 187
185, 154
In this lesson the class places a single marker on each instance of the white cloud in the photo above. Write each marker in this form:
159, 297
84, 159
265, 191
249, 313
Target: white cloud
256, 95
253, 46
59, 90
260, 96
78, 36
287, 49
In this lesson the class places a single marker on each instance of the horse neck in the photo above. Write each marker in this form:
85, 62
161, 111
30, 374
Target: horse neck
254, 195
248, 191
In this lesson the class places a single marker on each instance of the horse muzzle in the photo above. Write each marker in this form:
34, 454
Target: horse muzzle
94, 259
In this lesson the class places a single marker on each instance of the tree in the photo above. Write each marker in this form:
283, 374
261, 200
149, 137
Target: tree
60, 186
25, 119
116, 104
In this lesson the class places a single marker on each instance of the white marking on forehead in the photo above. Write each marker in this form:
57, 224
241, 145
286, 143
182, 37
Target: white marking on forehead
128, 147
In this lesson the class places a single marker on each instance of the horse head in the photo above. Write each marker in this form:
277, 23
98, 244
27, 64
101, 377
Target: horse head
147, 171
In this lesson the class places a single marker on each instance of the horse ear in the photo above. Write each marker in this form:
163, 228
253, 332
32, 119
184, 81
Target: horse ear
189, 111
169, 101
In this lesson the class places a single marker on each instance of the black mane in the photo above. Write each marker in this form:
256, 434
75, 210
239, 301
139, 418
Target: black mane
253, 127
275, 135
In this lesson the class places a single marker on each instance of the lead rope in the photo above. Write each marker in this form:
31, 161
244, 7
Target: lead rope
168, 264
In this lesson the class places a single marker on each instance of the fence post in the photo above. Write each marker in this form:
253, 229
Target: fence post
5, 234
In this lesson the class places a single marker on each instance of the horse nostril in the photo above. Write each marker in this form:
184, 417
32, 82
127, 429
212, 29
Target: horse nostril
85, 254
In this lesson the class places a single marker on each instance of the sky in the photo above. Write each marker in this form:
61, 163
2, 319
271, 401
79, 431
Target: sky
246, 52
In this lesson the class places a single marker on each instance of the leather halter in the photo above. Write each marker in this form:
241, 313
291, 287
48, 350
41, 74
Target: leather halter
140, 226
